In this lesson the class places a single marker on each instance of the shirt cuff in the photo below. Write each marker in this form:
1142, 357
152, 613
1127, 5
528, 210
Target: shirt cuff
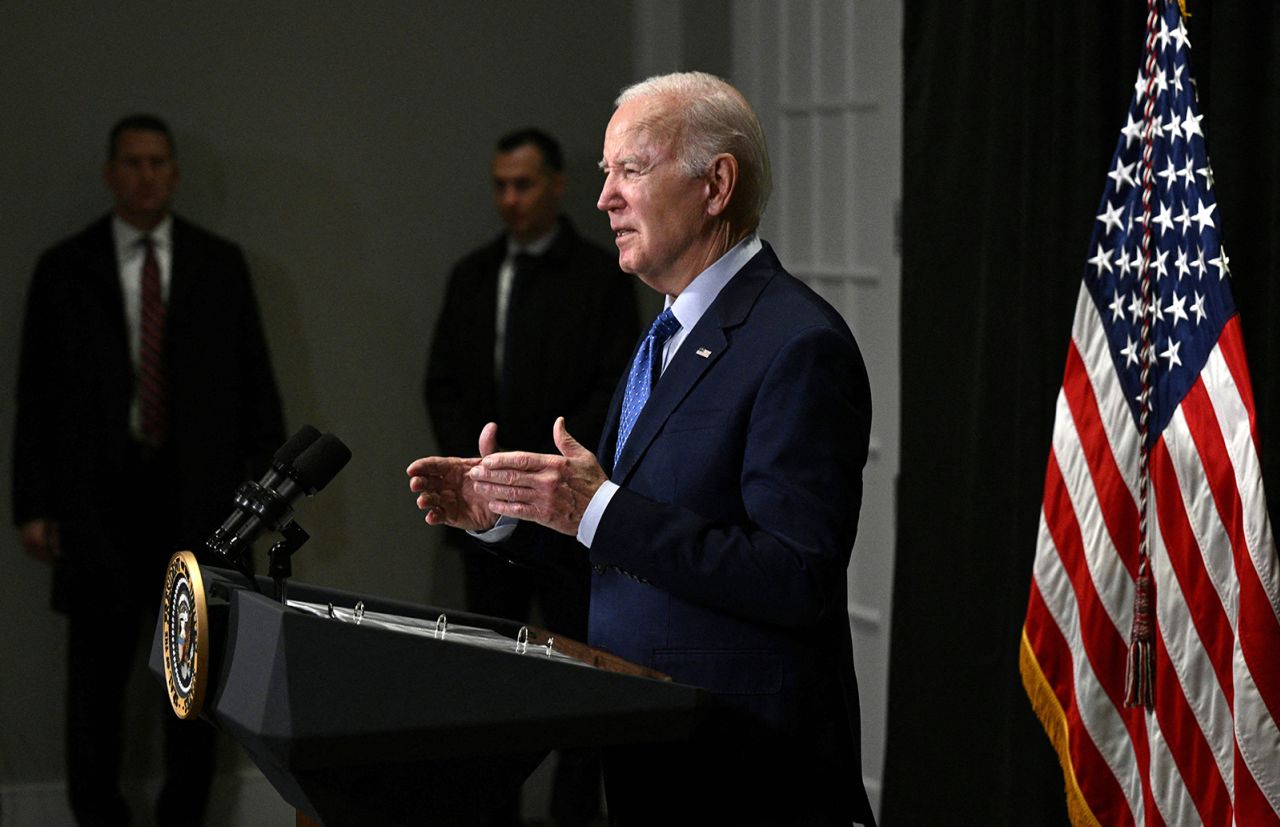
595, 511
504, 528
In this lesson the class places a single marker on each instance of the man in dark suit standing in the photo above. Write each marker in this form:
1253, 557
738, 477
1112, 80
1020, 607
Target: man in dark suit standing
501, 353
145, 395
721, 512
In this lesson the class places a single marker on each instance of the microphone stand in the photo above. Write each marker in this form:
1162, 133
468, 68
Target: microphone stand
280, 567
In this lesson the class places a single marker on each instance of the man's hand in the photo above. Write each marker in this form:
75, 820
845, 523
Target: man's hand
448, 494
41, 539
545, 488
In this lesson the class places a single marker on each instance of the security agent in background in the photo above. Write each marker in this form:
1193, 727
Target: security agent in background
536, 324
721, 510
145, 374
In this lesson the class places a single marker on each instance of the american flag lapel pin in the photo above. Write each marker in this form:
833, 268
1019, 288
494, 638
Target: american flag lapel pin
703, 352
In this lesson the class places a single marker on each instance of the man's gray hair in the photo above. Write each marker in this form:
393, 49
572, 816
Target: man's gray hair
711, 117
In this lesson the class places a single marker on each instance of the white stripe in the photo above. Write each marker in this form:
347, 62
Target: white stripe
1189, 658
1106, 569
1117, 419
1233, 419
1167, 787
1202, 513
1256, 732
1102, 722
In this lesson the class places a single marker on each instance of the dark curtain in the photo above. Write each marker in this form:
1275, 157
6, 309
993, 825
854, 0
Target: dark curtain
1012, 111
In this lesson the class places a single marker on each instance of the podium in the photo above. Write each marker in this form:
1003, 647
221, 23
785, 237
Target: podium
362, 710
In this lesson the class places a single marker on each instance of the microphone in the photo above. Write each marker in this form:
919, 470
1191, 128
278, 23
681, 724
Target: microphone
281, 468
268, 504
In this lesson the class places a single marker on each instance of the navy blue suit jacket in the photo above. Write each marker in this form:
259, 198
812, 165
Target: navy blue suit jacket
722, 559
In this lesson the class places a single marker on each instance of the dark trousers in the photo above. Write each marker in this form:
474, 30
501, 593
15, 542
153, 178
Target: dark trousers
733, 771
499, 589
112, 611
102, 650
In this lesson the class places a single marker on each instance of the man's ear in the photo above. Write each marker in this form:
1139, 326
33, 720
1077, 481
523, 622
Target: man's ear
722, 178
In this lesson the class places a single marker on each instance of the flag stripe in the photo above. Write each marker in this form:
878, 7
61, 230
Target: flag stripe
1252, 807
1255, 608
1098, 719
1098, 556
1115, 500
1231, 348
1087, 771
1173, 798
1188, 748
1255, 739
1182, 558
1102, 688
1090, 340
1231, 405
1202, 514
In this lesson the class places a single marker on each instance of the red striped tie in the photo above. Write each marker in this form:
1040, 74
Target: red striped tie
153, 392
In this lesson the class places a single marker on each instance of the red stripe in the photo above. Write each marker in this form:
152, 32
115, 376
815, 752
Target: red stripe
1119, 511
1097, 782
1188, 745
1106, 649
1258, 629
1203, 603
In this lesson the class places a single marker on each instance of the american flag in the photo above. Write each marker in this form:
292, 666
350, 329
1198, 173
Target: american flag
1208, 749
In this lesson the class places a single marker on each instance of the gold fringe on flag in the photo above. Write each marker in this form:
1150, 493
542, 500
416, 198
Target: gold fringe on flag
1054, 720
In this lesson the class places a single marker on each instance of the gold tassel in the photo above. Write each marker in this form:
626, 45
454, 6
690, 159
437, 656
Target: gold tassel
1139, 673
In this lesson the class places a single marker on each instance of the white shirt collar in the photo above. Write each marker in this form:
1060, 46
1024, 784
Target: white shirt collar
694, 300
127, 236
534, 248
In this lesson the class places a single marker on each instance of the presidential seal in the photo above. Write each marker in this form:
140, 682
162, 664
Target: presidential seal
185, 635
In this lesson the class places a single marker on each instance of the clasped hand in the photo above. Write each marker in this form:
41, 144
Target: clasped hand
471, 493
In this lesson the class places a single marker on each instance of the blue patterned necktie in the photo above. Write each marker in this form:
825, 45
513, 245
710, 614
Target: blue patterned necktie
644, 368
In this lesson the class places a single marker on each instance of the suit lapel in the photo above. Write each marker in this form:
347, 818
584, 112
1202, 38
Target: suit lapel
705, 345
182, 280
100, 261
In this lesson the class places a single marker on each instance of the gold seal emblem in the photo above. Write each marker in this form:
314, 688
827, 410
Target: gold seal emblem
185, 635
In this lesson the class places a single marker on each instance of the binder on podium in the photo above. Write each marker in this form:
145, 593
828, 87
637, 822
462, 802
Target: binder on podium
362, 710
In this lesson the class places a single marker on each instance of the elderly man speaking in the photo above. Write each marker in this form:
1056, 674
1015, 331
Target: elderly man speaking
721, 509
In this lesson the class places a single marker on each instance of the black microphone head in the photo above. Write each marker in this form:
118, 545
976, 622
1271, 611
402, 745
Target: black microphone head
293, 449
320, 463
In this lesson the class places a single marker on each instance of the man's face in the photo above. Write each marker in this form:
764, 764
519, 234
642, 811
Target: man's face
657, 213
142, 176
526, 192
